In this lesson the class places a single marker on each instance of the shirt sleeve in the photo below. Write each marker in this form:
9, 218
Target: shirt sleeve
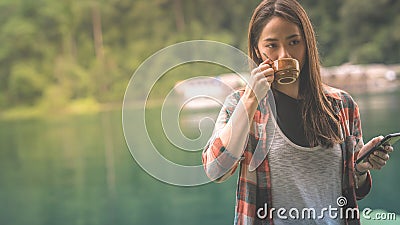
361, 191
219, 164
357, 131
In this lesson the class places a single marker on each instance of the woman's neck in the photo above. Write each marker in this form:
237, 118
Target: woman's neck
291, 90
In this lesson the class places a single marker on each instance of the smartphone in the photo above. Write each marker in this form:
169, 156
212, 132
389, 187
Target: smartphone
389, 139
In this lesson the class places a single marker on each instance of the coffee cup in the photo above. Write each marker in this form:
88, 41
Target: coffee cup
286, 70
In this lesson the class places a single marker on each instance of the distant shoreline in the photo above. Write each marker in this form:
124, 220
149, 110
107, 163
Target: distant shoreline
355, 79
370, 78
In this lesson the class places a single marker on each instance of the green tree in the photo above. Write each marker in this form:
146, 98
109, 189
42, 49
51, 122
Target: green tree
370, 30
26, 84
89, 49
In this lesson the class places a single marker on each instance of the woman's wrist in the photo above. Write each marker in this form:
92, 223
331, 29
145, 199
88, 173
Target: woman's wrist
249, 98
358, 172
359, 176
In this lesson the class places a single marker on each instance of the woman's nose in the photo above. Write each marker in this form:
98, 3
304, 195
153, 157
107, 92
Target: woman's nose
283, 53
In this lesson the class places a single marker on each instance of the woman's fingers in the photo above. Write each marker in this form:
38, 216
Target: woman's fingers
260, 68
378, 159
376, 162
269, 74
260, 80
382, 155
264, 70
388, 148
267, 61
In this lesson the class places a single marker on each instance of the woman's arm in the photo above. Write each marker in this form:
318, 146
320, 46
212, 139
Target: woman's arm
226, 147
375, 161
224, 150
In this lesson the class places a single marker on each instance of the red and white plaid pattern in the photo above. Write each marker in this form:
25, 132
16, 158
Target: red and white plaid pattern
254, 186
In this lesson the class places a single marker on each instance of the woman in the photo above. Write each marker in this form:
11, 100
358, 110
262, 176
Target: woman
296, 165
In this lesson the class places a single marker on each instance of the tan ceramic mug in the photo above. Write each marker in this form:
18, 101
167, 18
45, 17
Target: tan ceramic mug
286, 70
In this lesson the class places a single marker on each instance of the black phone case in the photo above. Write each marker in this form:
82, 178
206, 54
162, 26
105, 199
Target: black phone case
379, 147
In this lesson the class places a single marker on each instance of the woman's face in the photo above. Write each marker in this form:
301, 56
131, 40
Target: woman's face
282, 39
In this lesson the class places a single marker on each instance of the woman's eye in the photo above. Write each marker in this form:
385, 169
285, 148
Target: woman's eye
271, 46
294, 42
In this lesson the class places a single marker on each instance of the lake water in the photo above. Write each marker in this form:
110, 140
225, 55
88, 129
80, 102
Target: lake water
78, 170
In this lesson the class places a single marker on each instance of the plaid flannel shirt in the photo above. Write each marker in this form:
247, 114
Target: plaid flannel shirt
254, 186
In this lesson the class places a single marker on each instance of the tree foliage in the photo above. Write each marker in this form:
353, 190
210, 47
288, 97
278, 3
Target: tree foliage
89, 49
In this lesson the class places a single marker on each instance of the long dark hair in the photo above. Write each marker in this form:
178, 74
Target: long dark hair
321, 127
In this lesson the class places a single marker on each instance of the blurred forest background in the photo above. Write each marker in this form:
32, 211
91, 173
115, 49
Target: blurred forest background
56, 53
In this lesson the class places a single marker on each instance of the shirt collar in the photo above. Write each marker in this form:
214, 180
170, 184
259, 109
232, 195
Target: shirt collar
332, 92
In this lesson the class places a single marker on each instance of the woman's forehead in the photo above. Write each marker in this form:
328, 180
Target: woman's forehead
279, 28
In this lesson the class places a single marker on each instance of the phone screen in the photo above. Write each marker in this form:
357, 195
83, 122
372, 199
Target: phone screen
392, 140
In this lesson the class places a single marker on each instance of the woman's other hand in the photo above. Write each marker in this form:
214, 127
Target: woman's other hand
377, 159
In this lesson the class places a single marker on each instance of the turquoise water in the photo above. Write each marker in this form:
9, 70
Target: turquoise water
78, 170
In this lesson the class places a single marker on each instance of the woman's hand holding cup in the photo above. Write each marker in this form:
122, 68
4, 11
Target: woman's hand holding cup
260, 80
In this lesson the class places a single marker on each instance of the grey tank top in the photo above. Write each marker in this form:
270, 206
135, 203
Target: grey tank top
303, 180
